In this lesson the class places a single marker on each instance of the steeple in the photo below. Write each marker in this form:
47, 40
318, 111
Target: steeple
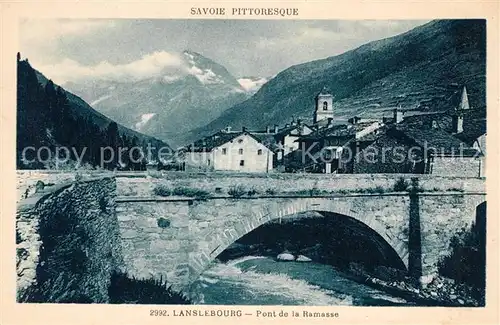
458, 116
464, 101
324, 105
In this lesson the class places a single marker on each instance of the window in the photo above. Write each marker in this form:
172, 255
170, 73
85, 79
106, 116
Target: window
325, 106
242, 163
208, 162
240, 151
240, 140
224, 151
259, 152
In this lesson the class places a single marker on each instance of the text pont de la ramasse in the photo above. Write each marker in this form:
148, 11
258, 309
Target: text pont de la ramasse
218, 11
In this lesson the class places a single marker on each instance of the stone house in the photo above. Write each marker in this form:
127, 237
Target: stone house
231, 151
406, 149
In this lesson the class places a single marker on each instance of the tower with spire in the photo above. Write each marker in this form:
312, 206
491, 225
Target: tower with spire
460, 110
324, 105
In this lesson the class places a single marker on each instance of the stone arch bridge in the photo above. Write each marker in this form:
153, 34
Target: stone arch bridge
177, 237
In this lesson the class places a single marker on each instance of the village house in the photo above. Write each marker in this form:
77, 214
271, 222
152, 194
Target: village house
286, 137
405, 149
227, 150
449, 143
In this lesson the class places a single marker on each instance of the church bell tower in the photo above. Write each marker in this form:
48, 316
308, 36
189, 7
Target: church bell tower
324, 105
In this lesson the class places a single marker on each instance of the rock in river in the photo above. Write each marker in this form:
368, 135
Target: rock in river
302, 258
285, 257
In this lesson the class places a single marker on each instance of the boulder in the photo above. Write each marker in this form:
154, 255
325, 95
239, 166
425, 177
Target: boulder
426, 279
285, 257
302, 258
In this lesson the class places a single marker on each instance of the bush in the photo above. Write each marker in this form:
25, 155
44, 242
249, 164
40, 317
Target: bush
271, 191
237, 191
191, 192
374, 190
467, 261
125, 290
315, 191
401, 185
252, 192
162, 190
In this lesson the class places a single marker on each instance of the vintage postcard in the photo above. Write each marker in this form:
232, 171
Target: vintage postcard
246, 162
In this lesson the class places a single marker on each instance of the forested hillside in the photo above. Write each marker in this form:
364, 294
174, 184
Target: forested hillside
51, 120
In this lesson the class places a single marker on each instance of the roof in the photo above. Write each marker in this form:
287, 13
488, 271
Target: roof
324, 92
342, 130
436, 141
286, 130
218, 139
267, 139
474, 124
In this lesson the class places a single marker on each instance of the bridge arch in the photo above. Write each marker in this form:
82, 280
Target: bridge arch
260, 214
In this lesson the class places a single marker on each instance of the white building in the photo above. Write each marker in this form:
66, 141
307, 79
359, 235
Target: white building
230, 151
287, 137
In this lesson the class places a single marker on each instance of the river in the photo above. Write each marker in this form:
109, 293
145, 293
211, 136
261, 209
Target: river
258, 280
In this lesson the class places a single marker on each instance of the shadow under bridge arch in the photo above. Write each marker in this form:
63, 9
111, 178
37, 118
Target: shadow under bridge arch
343, 235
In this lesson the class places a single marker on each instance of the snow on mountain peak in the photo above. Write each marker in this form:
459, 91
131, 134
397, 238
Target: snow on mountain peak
205, 75
144, 119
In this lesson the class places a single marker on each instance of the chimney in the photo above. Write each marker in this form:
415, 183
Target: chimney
268, 129
228, 129
458, 123
276, 128
287, 125
243, 128
299, 121
434, 124
398, 115
354, 120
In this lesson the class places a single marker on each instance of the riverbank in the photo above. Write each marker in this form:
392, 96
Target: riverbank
439, 291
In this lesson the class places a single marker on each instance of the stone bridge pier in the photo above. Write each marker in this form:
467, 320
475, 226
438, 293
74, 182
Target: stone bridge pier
177, 237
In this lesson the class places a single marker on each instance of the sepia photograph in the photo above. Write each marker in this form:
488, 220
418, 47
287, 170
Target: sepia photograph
231, 162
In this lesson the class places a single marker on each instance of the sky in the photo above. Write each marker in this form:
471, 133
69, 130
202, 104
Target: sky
74, 50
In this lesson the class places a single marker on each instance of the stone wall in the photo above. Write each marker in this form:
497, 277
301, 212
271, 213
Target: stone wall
27, 179
68, 242
450, 166
441, 217
142, 185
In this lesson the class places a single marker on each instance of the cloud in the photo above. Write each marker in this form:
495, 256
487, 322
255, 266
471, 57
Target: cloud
252, 84
154, 64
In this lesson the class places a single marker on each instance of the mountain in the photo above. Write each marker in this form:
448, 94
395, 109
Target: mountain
49, 116
169, 105
423, 69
